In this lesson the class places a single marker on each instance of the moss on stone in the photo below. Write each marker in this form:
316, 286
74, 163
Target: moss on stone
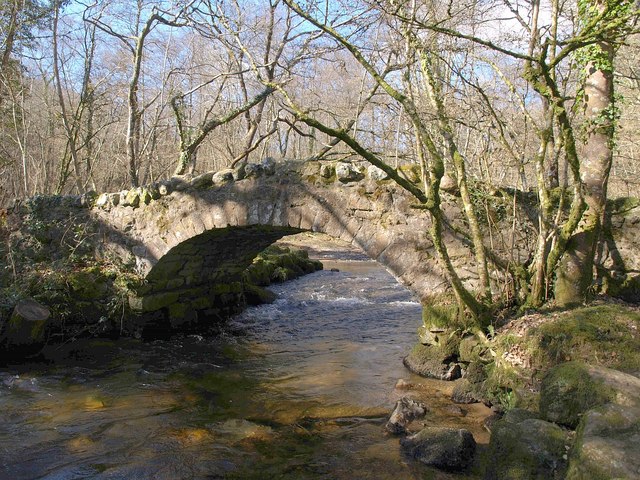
507, 386
473, 350
256, 295
568, 390
435, 360
601, 335
411, 173
604, 334
440, 311
279, 264
88, 283
622, 205
526, 448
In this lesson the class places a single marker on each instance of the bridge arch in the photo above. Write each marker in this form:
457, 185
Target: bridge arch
201, 235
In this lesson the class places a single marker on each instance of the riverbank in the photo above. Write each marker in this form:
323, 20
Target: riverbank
564, 386
81, 297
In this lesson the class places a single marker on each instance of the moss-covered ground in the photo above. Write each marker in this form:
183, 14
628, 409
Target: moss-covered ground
524, 350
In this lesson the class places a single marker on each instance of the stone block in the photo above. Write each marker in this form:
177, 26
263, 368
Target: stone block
131, 199
151, 303
346, 173
202, 181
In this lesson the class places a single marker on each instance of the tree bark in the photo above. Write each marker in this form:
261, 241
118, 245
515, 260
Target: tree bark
576, 270
25, 329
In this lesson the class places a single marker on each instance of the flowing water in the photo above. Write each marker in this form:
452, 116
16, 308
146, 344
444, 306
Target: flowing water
299, 389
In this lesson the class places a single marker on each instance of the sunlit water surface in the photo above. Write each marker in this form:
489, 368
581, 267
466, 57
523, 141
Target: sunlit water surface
299, 389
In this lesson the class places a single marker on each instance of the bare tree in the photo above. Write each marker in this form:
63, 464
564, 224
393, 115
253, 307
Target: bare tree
135, 43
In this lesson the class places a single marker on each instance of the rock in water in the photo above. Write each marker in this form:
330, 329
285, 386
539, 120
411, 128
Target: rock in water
440, 447
432, 361
405, 412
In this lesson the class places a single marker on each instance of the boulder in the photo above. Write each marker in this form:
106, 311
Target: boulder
88, 199
327, 171
604, 404
405, 412
114, 199
464, 392
255, 295
268, 165
154, 191
434, 362
253, 170
202, 181
607, 444
569, 390
145, 196
165, 188
523, 447
103, 201
449, 184
223, 177
131, 198
440, 447
239, 173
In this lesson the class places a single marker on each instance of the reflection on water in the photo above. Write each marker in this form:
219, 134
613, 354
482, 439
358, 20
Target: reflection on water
297, 389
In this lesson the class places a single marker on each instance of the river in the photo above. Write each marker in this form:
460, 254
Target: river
298, 389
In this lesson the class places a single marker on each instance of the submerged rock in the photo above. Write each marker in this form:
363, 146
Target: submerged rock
405, 412
445, 448
240, 430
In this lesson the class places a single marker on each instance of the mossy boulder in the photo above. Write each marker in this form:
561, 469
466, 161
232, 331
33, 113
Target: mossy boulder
603, 334
524, 351
472, 349
606, 403
606, 445
439, 312
88, 284
523, 447
435, 361
255, 295
568, 391
465, 392
440, 447
279, 264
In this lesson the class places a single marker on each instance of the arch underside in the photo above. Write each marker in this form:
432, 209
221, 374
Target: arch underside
199, 280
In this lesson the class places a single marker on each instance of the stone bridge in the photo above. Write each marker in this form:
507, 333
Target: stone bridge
192, 237
187, 235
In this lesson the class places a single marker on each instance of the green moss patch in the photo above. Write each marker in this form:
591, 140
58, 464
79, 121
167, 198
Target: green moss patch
604, 335
278, 264
525, 350
569, 390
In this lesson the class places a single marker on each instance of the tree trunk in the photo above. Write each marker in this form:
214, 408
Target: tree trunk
576, 270
25, 330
